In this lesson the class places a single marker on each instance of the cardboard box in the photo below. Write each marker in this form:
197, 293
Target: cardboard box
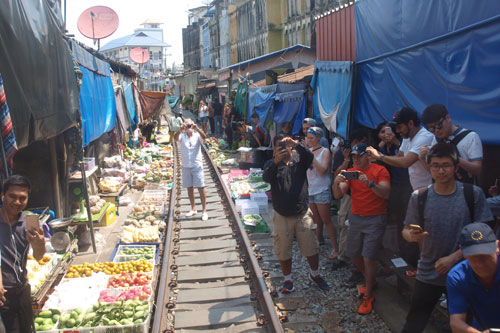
109, 216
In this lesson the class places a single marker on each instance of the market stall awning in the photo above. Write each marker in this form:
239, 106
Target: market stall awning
206, 85
97, 96
37, 69
151, 101
298, 75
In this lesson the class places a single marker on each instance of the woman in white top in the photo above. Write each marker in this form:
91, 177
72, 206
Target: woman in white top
203, 115
320, 195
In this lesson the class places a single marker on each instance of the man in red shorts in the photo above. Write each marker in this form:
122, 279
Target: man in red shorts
370, 189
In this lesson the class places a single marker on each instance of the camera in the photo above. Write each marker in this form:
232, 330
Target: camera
351, 175
282, 145
346, 144
188, 126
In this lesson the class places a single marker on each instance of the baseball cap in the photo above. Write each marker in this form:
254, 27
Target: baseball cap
478, 238
359, 149
309, 121
315, 131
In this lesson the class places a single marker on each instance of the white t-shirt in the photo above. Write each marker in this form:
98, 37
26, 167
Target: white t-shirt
419, 176
203, 111
191, 150
470, 147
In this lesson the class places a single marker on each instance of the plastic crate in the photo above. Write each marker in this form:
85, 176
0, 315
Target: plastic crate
121, 246
89, 163
252, 208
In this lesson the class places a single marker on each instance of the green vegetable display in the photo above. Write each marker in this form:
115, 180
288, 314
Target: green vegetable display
46, 320
147, 253
103, 314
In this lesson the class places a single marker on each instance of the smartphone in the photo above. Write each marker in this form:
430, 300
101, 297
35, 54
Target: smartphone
282, 145
32, 222
416, 227
351, 175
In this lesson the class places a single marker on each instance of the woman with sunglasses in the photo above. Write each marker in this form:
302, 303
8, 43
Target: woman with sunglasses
319, 187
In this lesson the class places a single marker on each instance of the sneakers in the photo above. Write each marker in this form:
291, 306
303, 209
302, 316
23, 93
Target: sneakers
355, 279
204, 216
362, 291
443, 302
191, 213
366, 305
288, 287
320, 283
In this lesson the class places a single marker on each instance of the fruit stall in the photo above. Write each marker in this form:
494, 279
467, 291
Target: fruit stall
115, 295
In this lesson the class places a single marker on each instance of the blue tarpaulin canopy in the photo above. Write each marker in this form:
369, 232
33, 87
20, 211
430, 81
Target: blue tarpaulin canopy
129, 100
97, 97
332, 94
290, 105
260, 101
416, 53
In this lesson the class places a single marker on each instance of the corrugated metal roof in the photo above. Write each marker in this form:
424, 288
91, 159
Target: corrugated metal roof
299, 74
137, 39
269, 55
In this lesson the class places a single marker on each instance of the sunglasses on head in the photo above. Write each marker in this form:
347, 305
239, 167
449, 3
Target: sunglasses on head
437, 127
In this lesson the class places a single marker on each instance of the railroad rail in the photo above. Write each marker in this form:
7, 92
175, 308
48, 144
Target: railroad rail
210, 278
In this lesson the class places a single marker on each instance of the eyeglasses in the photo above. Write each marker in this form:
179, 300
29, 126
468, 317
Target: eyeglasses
445, 167
437, 127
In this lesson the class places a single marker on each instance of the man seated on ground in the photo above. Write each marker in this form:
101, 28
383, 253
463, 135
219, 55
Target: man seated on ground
475, 283
286, 173
434, 219
370, 188
437, 120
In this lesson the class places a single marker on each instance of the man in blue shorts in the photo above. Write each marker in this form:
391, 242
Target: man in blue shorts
475, 283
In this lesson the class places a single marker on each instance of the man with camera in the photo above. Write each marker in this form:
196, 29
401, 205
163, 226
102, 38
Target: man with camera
286, 173
191, 138
370, 188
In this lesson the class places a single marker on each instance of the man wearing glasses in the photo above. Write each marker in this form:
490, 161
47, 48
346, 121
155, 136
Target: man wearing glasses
445, 212
437, 120
414, 138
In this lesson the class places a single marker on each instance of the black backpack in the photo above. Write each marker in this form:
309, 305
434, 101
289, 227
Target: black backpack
461, 174
422, 199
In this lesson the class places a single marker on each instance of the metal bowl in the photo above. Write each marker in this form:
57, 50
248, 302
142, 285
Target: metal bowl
60, 223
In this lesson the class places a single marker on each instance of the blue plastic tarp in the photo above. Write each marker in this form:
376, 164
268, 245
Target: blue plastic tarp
332, 83
415, 53
260, 101
97, 104
291, 106
129, 100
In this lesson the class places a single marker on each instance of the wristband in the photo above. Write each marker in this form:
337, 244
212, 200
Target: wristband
371, 184
382, 155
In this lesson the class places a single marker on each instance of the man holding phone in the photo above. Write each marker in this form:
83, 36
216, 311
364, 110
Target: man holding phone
286, 173
15, 240
370, 188
445, 212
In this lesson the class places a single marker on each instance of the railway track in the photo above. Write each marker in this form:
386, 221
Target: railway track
210, 278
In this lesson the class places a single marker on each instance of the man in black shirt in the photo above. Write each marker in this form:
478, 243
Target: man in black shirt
217, 116
286, 173
15, 240
234, 118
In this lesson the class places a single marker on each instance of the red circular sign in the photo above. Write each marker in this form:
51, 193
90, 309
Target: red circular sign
98, 22
139, 55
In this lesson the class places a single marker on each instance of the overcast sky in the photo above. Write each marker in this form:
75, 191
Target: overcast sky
173, 13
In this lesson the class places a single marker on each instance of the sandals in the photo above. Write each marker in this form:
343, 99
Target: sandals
333, 255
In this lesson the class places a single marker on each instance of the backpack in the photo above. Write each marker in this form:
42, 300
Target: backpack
422, 199
461, 174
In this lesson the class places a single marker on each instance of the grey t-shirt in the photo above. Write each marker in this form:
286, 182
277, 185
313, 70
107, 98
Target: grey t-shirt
444, 218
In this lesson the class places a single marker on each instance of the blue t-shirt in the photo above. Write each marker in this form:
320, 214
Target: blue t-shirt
398, 175
464, 290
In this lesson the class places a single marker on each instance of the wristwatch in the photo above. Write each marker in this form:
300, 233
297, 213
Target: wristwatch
371, 184
382, 155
